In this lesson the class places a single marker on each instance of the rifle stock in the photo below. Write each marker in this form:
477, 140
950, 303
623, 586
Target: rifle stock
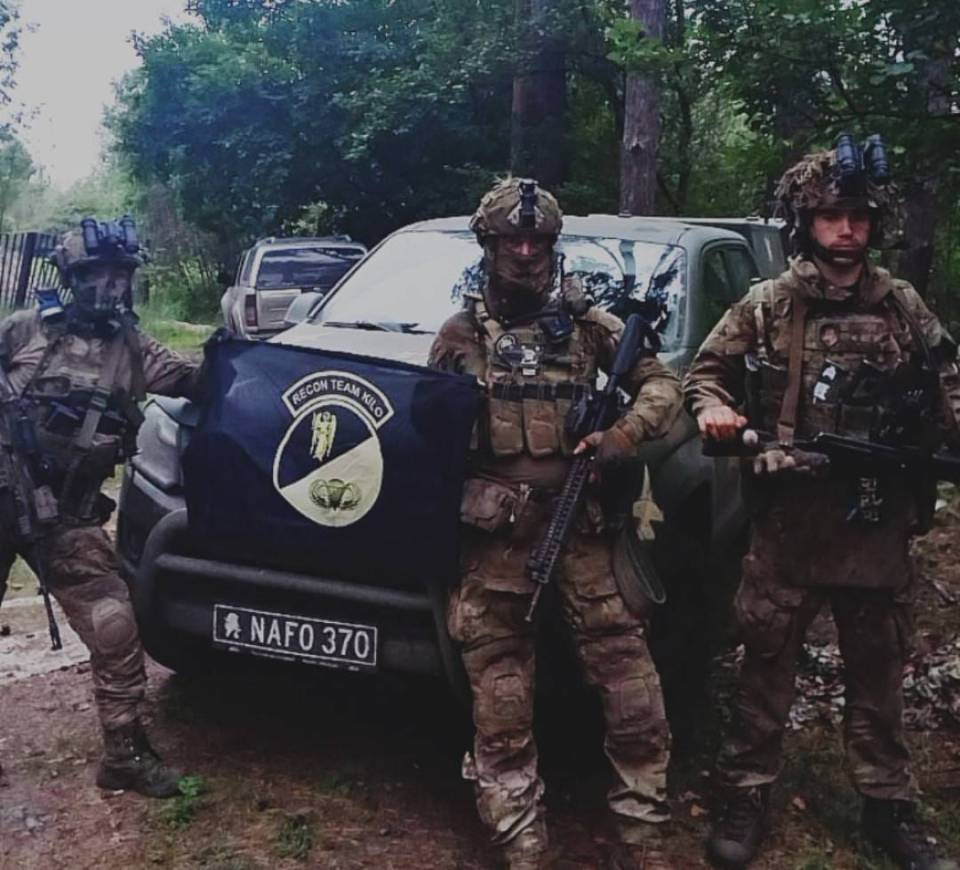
33, 505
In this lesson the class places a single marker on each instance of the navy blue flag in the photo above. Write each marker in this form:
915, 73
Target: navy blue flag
351, 464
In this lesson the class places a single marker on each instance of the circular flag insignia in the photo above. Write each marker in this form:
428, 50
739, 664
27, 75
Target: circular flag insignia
328, 465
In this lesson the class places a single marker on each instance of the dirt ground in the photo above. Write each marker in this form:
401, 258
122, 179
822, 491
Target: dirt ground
311, 768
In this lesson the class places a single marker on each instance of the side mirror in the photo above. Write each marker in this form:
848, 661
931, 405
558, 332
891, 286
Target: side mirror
301, 307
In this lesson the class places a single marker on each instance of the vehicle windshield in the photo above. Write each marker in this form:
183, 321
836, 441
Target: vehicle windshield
419, 278
305, 267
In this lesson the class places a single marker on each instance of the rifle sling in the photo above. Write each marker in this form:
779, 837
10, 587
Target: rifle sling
787, 424
900, 304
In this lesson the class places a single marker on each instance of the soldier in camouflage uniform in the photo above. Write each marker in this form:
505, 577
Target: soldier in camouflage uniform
818, 350
82, 370
532, 376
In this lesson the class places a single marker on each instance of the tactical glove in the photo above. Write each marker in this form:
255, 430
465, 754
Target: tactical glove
613, 445
776, 459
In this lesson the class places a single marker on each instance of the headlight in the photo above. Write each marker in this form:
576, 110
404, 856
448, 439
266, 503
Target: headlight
158, 451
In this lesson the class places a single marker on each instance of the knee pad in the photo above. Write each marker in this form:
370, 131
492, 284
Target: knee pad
114, 627
503, 696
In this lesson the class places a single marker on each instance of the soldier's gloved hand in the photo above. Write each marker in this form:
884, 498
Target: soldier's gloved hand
612, 445
775, 459
720, 423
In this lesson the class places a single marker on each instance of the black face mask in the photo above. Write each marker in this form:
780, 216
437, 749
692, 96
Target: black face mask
517, 285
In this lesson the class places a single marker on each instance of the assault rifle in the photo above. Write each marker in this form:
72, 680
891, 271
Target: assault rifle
600, 414
23, 472
851, 454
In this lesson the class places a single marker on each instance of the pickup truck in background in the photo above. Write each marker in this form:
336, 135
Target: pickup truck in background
273, 272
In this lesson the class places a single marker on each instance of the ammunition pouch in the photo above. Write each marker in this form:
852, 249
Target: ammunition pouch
65, 420
90, 508
533, 418
80, 498
489, 505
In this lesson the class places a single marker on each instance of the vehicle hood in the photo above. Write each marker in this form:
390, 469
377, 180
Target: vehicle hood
396, 346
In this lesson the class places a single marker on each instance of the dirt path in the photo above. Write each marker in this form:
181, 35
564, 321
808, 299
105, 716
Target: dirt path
309, 768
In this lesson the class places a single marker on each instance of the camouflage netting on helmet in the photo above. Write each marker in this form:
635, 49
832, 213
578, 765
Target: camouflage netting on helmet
499, 211
815, 183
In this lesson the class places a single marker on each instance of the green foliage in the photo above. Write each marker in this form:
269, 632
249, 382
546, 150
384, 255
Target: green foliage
16, 170
296, 836
182, 288
632, 49
382, 111
10, 29
276, 116
172, 331
181, 811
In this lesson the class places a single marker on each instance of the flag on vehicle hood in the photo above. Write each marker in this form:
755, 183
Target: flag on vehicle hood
351, 463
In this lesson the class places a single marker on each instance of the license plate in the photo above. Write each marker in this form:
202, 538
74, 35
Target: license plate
283, 635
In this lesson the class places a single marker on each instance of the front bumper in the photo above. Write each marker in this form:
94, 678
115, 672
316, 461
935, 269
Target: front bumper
175, 583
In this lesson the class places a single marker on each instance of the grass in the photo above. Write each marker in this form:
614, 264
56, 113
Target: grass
296, 836
175, 334
160, 323
180, 812
21, 580
220, 857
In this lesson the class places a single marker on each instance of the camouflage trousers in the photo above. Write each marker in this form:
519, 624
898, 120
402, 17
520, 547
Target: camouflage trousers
83, 575
874, 627
486, 615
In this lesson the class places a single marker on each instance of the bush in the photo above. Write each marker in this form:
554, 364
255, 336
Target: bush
184, 290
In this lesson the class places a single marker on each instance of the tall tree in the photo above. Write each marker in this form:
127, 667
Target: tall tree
16, 170
641, 126
538, 122
805, 71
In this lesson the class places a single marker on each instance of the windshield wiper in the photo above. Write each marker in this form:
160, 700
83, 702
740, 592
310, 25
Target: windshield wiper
374, 326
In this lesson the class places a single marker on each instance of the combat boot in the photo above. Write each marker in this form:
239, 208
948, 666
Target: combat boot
526, 851
131, 763
741, 822
893, 827
641, 848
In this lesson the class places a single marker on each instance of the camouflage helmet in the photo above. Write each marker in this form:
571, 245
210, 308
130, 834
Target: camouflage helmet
816, 182
98, 244
514, 206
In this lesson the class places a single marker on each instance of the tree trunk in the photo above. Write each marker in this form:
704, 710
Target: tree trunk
921, 201
538, 124
920, 225
641, 126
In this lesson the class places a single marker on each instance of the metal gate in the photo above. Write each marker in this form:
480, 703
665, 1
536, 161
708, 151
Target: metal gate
24, 267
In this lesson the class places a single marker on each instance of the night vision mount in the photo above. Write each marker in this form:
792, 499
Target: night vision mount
859, 164
528, 205
110, 238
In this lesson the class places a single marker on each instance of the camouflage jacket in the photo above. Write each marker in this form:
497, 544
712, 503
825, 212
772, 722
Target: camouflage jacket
57, 370
843, 330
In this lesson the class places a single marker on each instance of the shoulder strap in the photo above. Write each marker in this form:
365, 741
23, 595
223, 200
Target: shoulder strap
138, 381
100, 396
787, 424
55, 335
899, 299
